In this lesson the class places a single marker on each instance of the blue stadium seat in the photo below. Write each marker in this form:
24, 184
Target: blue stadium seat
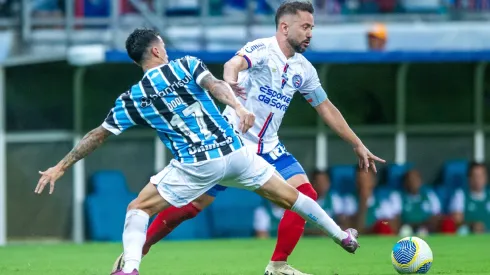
395, 174
383, 192
106, 206
454, 173
444, 193
232, 213
343, 179
109, 182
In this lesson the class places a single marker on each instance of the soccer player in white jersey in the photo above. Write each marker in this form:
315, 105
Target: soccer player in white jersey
265, 74
172, 98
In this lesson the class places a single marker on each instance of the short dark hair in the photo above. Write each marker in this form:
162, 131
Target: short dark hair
292, 7
474, 165
138, 42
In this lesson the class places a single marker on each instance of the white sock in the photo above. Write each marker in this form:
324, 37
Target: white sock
134, 238
309, 210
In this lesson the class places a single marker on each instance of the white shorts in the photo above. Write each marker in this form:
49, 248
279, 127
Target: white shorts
181, 183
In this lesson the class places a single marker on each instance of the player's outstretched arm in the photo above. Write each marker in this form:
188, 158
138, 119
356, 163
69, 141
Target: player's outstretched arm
334, 119
222, 92
87, 145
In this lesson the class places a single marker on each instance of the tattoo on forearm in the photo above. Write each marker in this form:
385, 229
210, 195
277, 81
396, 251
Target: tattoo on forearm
224, 94
219, 89
87, 145
208, 82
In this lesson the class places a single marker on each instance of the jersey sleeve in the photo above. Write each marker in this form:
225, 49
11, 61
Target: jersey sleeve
262, 220
435, 204
337, 204
395, 203
119, 118
311, 89
197, 68
350, 205
457, 202
254, 52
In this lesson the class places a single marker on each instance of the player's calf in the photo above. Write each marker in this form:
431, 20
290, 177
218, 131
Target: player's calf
148, 202
284, 195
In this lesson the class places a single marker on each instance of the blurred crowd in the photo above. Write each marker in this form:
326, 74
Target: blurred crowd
412, 208
97, 8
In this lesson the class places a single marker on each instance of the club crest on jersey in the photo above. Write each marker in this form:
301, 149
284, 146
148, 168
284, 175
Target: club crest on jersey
297, 81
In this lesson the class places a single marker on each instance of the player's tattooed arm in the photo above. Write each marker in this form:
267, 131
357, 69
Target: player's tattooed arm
87, 145
222, 92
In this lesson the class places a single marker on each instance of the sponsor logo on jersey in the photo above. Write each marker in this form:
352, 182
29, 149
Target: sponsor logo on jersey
198, 149
145, 101
252, 48
297, 81
273, 98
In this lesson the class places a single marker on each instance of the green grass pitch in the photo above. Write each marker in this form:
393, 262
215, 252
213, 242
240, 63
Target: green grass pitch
452, 255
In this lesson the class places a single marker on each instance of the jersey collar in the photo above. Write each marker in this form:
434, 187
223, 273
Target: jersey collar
277, 49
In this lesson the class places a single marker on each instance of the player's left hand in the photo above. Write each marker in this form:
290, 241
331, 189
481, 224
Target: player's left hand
247, 119
366, 158
238, 90
49, 176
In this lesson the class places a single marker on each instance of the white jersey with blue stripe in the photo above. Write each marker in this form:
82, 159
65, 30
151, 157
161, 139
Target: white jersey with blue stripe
170, 100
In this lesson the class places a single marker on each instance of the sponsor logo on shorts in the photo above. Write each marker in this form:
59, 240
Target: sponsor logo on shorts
198, 149
259, 177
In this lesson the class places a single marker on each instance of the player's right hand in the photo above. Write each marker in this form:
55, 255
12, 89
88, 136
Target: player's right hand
237, 89
367, 160
247, 119
49, 176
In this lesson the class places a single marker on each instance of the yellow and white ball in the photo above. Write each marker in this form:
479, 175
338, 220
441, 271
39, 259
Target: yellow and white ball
411, 255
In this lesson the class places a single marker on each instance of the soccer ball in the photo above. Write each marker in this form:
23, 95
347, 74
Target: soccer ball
411, 255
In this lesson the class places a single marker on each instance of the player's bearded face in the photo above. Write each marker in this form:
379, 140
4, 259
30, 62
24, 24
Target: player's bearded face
300, 31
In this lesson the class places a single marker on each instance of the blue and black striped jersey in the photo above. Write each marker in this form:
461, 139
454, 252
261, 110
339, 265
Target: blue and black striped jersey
170, 100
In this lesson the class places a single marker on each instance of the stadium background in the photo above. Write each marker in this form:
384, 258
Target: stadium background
421, 101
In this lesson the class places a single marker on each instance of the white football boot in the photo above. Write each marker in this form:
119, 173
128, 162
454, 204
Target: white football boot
118, 264
282, 268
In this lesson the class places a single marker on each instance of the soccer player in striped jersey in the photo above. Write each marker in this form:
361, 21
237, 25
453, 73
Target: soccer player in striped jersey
266, 73
172, 98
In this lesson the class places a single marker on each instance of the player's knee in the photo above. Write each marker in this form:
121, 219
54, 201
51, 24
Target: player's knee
203, 201
308, 190
288, 199
138, 204
134, 204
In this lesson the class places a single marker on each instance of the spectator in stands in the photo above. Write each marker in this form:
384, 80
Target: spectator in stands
328, 6
421, 209
377, 37
369, 211
266, 220
330, 201
267, 216
470, 207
